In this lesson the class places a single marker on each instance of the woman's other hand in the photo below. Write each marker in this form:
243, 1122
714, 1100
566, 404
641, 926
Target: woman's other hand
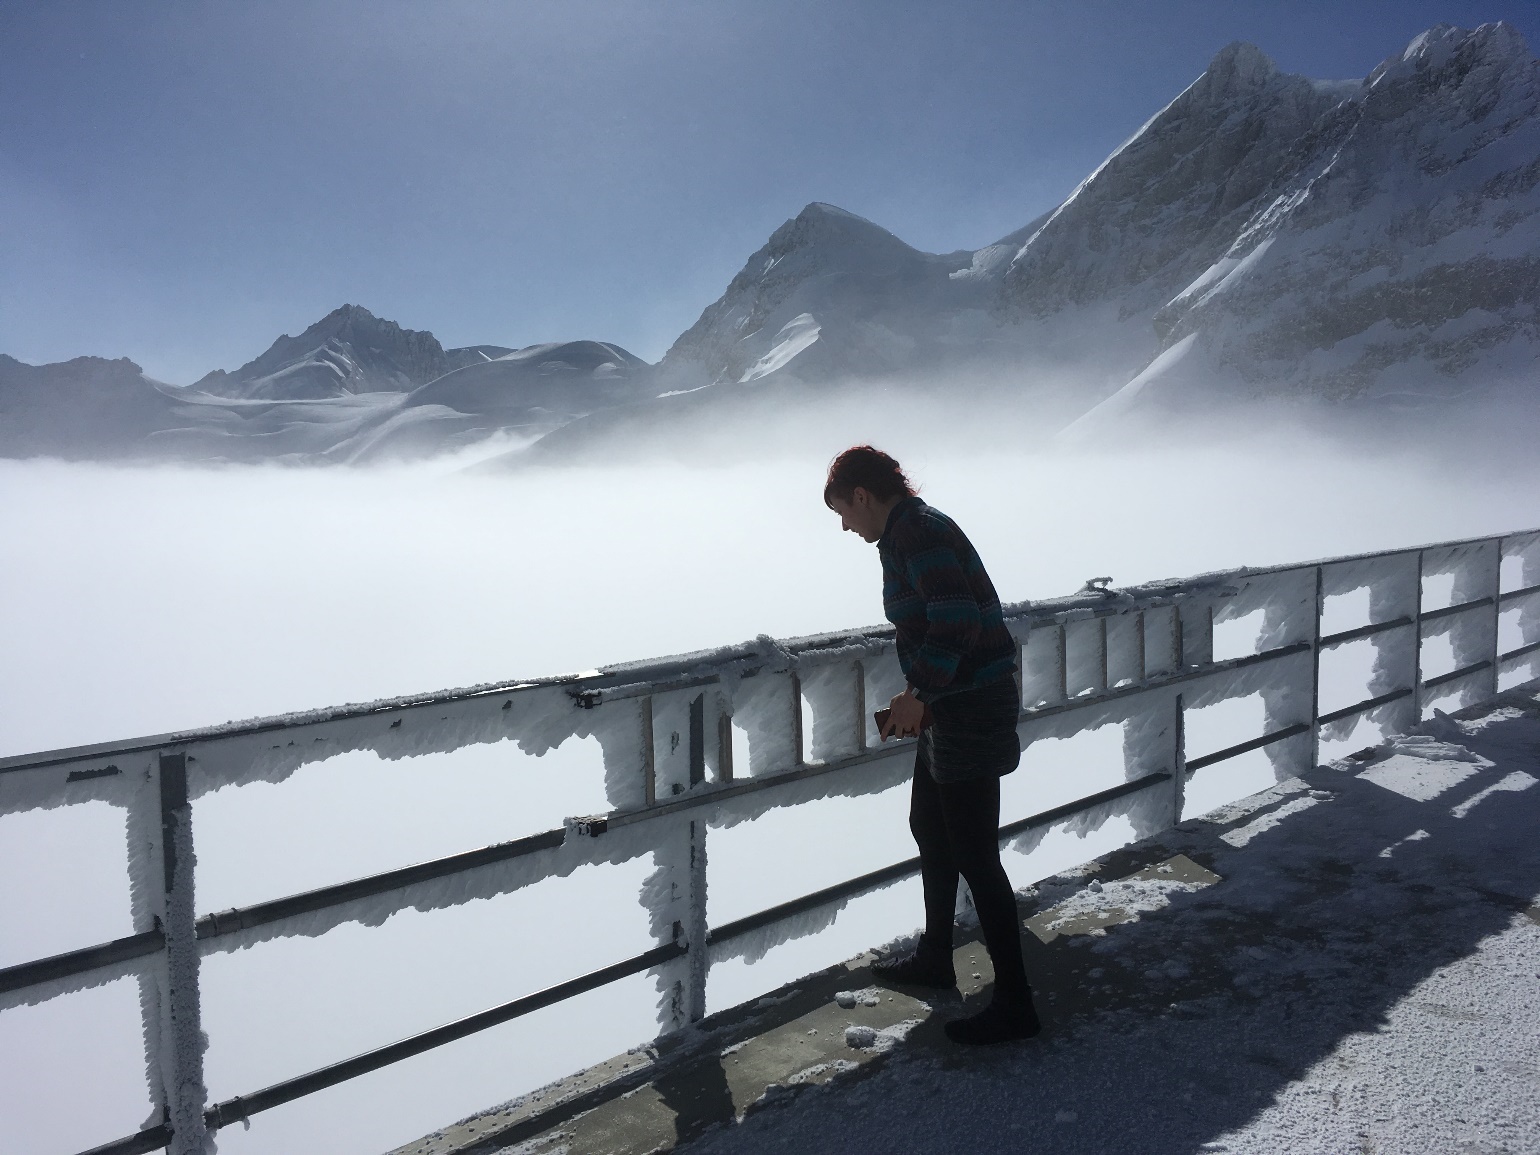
906, 712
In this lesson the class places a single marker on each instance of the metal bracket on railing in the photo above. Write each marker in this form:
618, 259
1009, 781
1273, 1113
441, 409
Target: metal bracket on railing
1098, 585
593, 825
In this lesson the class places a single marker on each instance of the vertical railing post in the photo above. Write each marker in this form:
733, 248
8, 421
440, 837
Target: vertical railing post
1417, 648
649, 755
697, 740
1061, 640
699, 958
1497, 616
1178, 761
1153, 744
799, 746
1144, 664
181, 1031
1315, 668
860, 699
1196, 622
1102, 643
724, 736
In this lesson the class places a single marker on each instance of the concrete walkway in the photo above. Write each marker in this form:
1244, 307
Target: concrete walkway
1344, 963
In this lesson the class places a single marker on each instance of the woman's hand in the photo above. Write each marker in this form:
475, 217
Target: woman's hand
904, 717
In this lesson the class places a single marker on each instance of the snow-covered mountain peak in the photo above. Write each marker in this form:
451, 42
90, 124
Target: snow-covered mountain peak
1400, 251
1166, 204
1445, 46
1236, 66
825, 230
349, 350
822, 267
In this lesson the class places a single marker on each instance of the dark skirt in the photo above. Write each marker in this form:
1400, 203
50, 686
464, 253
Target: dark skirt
973, 734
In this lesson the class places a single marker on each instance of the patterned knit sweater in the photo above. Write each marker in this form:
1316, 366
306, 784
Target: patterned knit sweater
951, 635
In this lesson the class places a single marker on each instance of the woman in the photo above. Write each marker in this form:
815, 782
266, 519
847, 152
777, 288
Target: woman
963, 704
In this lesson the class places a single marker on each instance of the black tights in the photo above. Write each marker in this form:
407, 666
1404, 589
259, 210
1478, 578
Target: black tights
956, 826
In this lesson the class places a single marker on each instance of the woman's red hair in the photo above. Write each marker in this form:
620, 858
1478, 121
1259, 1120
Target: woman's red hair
863, 467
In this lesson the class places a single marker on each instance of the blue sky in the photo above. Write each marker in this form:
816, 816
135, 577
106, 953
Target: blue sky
181, 182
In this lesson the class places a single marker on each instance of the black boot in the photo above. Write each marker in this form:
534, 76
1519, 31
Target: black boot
927, 966
1007, 1017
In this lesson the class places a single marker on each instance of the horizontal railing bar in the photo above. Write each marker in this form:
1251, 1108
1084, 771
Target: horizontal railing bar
1381, 554
705, 795
1362, 707
1196, 764
229, 921
1163, 681
1363, 632
1090, 801
150, 1139
1519, 653
770, 915
1434, 615
1523, 593
244, 1106
1476, 668
77, 962
1131, 599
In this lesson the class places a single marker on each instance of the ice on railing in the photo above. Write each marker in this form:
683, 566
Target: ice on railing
672, 741
674, 897
480, 883
1125, 649
852, 782
112, 780
1526, 551
754, 945
884, 680
1042, 676
1287, 601
767, 709
1084, 672
858, 781
835, 691
1161, 654
1392, 584
1472, 634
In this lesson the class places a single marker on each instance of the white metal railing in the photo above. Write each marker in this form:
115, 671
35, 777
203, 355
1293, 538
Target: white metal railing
1137, 657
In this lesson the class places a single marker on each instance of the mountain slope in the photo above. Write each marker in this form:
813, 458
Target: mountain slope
1406, 253
349, 350
830, 294
527, 392
1168, 202
89, 407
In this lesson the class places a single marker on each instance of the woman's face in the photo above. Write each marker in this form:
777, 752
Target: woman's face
862, 514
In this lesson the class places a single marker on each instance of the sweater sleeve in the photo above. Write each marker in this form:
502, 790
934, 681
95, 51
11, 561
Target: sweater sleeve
952, 615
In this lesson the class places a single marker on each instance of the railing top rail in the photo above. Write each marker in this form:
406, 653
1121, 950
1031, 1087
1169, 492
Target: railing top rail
743, 659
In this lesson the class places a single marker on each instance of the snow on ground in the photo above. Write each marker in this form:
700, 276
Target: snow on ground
1364, 977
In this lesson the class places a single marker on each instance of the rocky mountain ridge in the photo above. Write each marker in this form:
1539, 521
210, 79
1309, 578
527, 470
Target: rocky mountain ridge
1263, 234
349, 350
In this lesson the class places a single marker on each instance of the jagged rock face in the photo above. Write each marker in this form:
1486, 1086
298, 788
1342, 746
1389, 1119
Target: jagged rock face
1168, 203
1405, 249
830, 292
350, 350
